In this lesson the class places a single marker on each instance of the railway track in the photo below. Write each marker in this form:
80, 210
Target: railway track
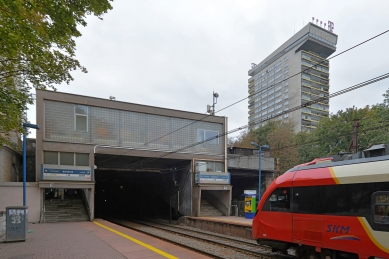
210, 244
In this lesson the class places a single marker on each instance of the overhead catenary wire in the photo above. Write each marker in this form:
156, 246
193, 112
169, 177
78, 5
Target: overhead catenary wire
269, 159
253, 94
343, 91
173, 169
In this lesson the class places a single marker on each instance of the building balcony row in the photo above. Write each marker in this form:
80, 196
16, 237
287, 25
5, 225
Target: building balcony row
308, 99
315, 85
312, 77
314, 57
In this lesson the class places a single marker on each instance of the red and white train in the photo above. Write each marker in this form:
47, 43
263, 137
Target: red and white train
326, 209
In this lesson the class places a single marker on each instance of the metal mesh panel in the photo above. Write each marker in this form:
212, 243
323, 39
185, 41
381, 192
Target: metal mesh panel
125, 128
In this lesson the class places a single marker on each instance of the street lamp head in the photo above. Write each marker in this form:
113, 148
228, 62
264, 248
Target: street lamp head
265, 146
255, 144
28, 125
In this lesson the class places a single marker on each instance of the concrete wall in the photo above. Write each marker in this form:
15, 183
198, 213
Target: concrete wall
295, 87
185, 183
2, 226
10, 165
11, 194
250, 162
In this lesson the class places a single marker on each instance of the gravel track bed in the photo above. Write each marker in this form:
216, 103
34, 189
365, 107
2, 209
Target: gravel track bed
249, 245
250, 241
214, 250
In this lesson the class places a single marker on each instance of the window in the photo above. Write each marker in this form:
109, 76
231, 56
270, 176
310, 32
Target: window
286, 71
362, 200
286, 90
279, 200
81, 118
65, 158
206, 166
286, 97
50, 158
82, 159
381, 207
286, 102
286, 84
203, 135
286, 64
286, 58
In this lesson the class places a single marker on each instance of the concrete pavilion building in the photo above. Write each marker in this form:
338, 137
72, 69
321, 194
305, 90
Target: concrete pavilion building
128, 158
278, 91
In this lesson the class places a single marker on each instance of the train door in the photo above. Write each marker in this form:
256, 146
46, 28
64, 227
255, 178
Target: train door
276, 215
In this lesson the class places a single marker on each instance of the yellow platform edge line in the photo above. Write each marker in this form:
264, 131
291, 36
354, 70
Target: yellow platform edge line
156, 250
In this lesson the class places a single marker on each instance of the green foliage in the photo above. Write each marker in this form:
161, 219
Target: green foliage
306, 146
37, 49
281, 142
334, 134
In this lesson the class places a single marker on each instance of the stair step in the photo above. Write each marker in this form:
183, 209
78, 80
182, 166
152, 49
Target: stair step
65, 211
206, 209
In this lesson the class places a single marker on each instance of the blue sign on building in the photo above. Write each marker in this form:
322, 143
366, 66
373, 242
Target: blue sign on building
49, 172
213, 178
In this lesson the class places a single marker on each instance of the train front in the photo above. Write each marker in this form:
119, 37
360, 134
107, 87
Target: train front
271, 225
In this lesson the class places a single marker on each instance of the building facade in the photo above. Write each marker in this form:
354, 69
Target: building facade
275, 85
82, 136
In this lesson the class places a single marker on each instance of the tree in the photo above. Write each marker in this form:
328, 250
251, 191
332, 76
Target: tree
37, 49
244, 139
334, 134
282, 145
306, 145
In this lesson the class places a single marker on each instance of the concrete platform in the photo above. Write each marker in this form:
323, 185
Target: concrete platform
99, 239
227, 225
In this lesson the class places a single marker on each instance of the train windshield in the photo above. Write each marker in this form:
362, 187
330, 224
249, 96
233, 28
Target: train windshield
279, 200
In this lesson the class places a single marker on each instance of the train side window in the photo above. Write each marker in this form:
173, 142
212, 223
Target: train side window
279, 200
380, 201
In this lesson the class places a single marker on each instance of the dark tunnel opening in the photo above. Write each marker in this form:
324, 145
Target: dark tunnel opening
149, 191
136, 195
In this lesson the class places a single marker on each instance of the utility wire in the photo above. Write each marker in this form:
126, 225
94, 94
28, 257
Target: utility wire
371, 129
173, 169
346, 90
252, 95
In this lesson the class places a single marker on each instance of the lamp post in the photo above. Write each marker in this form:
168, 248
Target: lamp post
25, 126
259, 167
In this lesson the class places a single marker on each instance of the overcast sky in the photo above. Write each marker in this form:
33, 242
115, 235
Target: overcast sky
173, 54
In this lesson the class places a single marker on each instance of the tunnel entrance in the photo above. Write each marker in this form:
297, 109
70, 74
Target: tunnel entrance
149, 192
